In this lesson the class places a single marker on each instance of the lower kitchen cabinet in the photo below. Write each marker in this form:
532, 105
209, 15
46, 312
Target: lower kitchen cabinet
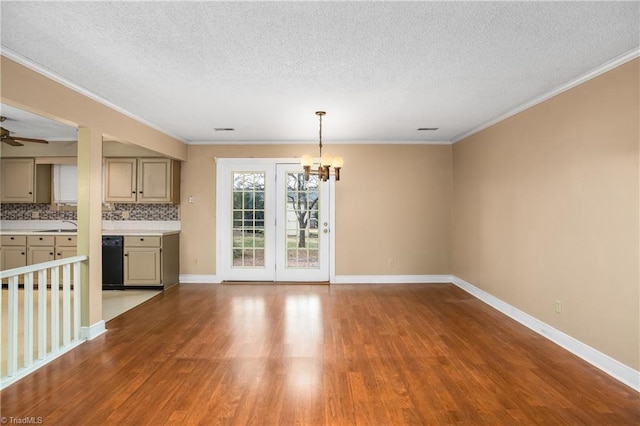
151, 261
66, 246
23, 250
40, 249
13, 253
142, 266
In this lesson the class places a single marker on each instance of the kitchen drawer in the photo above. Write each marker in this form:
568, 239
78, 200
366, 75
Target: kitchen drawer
66, 241
14, 240
41, 240
141, 241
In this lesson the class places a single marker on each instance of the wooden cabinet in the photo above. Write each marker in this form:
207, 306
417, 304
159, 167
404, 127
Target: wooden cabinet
142, 180
22, 181
18, 179
13, 252
23, 250
142, 261
66, 246
156, 183
151, 261
40, 248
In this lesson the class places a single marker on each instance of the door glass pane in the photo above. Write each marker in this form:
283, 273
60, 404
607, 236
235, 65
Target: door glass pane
302, 221
248, 219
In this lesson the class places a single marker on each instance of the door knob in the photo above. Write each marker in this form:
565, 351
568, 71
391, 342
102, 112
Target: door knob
325, 230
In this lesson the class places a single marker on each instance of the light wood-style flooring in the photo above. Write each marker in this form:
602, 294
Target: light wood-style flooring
317, 354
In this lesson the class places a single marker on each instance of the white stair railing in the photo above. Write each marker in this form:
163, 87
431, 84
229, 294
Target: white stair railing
41, 343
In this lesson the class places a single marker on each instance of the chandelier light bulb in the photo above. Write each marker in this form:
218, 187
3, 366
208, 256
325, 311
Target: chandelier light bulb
306, 160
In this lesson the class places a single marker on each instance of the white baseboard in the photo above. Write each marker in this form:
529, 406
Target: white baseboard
391, 279
340, 279
93, 331
201, 279
615, 369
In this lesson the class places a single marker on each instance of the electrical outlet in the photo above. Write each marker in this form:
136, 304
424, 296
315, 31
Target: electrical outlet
391, 262
35, 214
125, 215
558, 306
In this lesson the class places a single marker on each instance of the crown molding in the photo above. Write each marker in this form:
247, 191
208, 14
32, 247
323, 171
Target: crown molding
607, 66
315, 142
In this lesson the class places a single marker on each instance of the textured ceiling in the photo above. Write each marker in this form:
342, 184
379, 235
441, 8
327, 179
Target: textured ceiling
380, 69
22, 123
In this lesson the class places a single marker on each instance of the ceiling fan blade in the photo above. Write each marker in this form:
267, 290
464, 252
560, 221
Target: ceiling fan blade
11, 142
18, 138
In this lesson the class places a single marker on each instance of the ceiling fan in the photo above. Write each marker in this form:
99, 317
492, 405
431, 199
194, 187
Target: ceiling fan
6, 137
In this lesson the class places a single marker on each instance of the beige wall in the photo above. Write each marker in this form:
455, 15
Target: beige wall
392, 202
546, 208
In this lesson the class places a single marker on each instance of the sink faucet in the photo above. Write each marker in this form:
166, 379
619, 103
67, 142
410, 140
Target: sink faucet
71, 222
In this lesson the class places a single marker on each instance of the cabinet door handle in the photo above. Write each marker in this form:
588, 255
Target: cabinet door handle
69, 239
140, 192
51, 254
126, 254
133, 192
141, 239
22, 253
13, 238
58, 254
30, 193
40, 238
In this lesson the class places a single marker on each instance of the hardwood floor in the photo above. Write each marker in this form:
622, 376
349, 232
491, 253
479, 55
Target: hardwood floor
315, 355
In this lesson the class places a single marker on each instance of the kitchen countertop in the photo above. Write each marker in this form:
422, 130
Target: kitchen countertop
108, 232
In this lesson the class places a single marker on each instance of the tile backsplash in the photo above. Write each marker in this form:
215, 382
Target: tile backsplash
149, 212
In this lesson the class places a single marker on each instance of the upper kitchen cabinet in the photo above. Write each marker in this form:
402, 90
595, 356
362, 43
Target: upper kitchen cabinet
142, 180
24, 182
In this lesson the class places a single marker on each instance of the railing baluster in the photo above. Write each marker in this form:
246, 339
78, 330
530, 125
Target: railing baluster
27, 336
48, 340
12, 324
42, 314
76, 301
66, 307
55, 309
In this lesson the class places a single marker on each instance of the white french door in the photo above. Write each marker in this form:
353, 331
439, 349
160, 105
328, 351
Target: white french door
272, 225
302, 226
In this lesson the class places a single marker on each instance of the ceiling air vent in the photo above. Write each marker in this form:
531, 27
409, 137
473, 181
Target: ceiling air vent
427, 128
224, 129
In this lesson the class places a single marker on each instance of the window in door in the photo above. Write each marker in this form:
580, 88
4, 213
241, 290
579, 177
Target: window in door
301, 221
248, 219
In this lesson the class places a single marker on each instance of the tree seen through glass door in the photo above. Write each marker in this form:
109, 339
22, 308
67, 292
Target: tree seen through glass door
302, 225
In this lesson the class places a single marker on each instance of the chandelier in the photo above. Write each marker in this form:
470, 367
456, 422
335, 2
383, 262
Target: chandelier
326, 161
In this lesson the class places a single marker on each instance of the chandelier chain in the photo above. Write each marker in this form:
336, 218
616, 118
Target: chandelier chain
320, 134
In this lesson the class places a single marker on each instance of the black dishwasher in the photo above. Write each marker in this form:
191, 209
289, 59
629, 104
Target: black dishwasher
112, 261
